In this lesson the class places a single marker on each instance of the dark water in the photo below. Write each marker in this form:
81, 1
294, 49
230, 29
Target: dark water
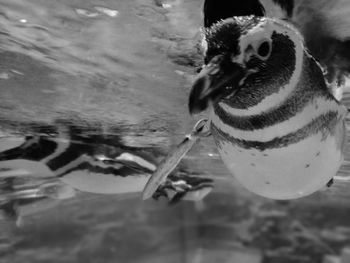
115, 75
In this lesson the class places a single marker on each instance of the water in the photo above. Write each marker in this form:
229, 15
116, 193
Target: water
115, 76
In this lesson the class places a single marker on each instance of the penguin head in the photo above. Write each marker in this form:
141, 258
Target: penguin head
246, 59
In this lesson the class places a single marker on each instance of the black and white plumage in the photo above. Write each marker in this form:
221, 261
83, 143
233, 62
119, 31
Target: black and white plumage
277, 127
325, 26
52, 167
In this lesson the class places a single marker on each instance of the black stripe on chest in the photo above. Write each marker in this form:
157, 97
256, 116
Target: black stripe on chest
291, 107
325, 124
310, 87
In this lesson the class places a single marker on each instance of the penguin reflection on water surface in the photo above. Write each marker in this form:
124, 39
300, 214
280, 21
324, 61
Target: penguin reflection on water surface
40, 168
277, 126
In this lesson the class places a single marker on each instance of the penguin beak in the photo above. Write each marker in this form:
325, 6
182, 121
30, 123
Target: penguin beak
216, 80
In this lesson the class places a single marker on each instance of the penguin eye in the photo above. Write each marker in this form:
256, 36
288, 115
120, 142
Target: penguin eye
264, 49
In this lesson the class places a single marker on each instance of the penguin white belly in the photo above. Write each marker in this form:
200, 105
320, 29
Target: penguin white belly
286, 172
105, 183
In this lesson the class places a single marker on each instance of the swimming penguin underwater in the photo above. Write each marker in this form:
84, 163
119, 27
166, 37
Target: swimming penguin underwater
274, 84
276, 125
39, 167
323, 24
274, 99
275, 111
